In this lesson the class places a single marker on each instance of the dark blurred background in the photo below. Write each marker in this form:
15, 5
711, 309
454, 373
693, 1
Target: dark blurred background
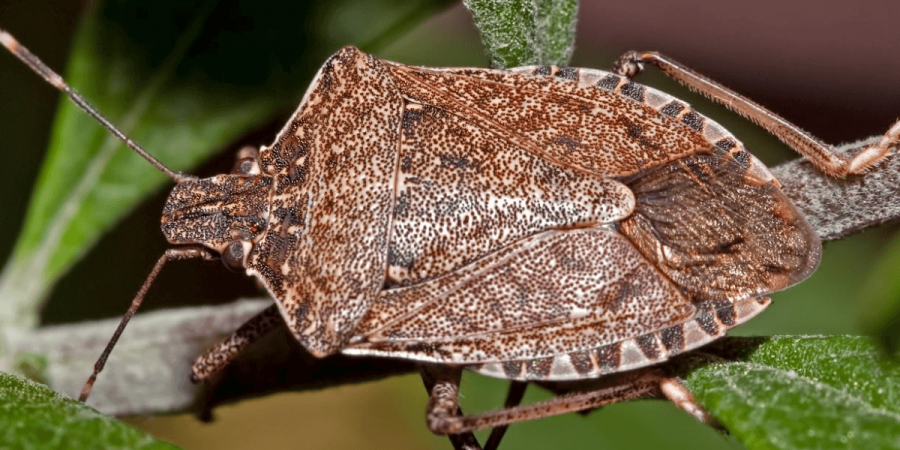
830, 67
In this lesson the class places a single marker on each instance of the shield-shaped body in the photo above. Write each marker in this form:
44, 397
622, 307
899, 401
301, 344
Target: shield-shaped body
539, 223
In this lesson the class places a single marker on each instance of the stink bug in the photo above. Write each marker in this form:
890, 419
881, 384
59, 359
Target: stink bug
602, 204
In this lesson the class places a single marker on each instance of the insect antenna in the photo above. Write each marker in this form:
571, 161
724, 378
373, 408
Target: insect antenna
57, 81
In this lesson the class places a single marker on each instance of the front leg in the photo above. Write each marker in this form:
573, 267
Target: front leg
219, 356
822, 155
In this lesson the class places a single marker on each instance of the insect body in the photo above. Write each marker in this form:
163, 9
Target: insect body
539, 223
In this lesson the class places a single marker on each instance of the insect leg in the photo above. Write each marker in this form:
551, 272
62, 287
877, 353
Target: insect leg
641, 384
678, 393
172, 254
442, 384
822, 155
216, 358
513, 398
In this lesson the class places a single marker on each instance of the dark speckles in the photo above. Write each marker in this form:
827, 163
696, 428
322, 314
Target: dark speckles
296, 174
725, 144
707, 322
542, 71
538, 368
301, 311
447, 206
672, 109
624, 295
742, 158
405, 164
633, 91
570, 143
567, 73
512, 369
636, 132
455, 161
411, 117
423, 347
647, 344
609, 357
693, 120
608, 82
725, 312
398, 258
343, 137
673, 338
301, 150
332, 162
401, 208
582, 362
326, 77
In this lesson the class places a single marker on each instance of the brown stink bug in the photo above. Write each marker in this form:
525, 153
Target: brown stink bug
593, 226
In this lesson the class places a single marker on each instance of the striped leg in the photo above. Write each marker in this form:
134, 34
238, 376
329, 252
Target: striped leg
216, 358
646, 383
442, 384
678, 393
822, 155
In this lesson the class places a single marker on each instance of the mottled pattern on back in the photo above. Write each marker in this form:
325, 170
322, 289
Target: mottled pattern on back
334, 166
465, 191
517, 222
552, 293
573, 123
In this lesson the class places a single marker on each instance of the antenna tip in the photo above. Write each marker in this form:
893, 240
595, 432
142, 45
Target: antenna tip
8, 41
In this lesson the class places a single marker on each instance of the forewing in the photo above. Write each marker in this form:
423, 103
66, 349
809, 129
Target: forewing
552, 293
718, 231
587, 120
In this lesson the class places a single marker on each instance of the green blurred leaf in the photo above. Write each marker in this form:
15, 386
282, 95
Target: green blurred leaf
34, 417
880, 299
184, 79
526, 32
805, 392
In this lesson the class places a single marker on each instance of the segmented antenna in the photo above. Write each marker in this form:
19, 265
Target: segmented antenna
57, 81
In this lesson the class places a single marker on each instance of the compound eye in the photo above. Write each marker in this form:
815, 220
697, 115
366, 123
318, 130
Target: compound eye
233, 257
246, 166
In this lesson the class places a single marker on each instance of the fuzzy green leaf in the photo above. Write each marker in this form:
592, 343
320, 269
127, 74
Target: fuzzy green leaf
805, 392
184, 79
526, 32
34, 417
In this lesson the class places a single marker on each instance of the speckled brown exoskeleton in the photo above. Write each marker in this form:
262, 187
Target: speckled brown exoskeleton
534, 224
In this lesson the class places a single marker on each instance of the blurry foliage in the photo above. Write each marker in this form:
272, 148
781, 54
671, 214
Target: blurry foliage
34, 417
526, 32
879, 299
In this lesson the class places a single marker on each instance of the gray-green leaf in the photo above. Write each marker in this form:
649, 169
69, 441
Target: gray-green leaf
34, 417
526, 32
805, 392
